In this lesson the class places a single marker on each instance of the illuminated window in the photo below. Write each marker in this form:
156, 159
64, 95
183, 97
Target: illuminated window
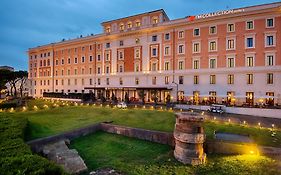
230, 62
167, 66
137, 40
250, 61
212, 63
129, 25
167, 50
230, 79
180, 66
107, 30
166, 79
138, 23
212, 79
269, 78
196, 64
230, 44
269, 60
196, 79
196, 47
212, 45
213, 30
250, 78
230, 27
136, 81
121, 27
155, 20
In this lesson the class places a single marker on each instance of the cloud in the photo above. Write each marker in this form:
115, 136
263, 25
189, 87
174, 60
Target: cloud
29, 23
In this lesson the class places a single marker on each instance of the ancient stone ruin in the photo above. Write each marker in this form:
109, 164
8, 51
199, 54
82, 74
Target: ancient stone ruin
189, 138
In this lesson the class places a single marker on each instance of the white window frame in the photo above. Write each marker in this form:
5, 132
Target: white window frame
230, 56
135, 53
246, 26
183, 48
268, 27
270, 54
216, 61
246, 59
227, 28
169, 50
182, 34
274, 39
195, 59
254, 41
165, 36
167, 62
216, 28
194, 32
183, 67
193, 44
154, 47
226, 43
209, 44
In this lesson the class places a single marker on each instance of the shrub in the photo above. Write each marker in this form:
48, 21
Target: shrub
15, 156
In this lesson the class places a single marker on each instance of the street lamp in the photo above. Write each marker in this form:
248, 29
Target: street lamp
177, 90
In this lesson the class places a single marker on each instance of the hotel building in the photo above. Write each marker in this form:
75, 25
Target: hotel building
231, 56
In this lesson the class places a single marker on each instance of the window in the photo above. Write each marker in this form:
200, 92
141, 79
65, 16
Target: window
62, 82
181, 49
212, 63
83, 59
68, 82
269, 78
75, 60
250, 42
196, 32
137, 53
137, 67
269, 23
91, 58
121, 43
107, 30
107, 56
57, 63
230, 27
196, 79
107, 69
154, 52
269, 60
270, 40
250, 78
129, 25
98, 81
137, 81
82, 71
138, 24
120, 68
90, 81
230, 44
90, 70
167, 36
68, 72
99, 70
180, 79
166, 79
250, 25
181, 34
196, 64
107, 45
62, 62
213, 30
250, 61
155, 20
90, 47
167, 66
154, 67
212, 45
120, 55
57, 82
230, 79
99, 57
167, 50
212, 79
120, 81
230, 62
107, 81
75, 71
154, 80
180, 65
154, 38
121, 27
62, 72
137, 40
196, 47
69, 61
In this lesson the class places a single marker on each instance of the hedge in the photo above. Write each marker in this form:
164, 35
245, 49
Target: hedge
15, 156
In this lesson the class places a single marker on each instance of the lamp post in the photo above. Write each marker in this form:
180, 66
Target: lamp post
177, 90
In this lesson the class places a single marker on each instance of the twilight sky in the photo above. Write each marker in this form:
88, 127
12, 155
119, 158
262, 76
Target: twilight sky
28, 23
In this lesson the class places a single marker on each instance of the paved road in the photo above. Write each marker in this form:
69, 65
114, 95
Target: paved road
250, 120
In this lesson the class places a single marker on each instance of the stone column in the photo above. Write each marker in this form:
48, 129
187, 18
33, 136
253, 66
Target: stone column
189, 138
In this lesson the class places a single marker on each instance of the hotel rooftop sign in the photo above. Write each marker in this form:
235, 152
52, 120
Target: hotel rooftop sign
213, 14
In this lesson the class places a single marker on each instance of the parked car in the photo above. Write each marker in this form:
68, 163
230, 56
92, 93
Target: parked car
122, 105
216, 108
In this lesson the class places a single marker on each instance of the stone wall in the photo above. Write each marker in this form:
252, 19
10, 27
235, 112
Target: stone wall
148, 135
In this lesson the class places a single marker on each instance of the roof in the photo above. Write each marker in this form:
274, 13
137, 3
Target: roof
154, 11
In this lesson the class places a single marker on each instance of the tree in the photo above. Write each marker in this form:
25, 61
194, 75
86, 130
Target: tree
4, 74
22, 77
142, 95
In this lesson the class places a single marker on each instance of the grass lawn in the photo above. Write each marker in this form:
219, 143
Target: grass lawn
46, 122
133, 156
